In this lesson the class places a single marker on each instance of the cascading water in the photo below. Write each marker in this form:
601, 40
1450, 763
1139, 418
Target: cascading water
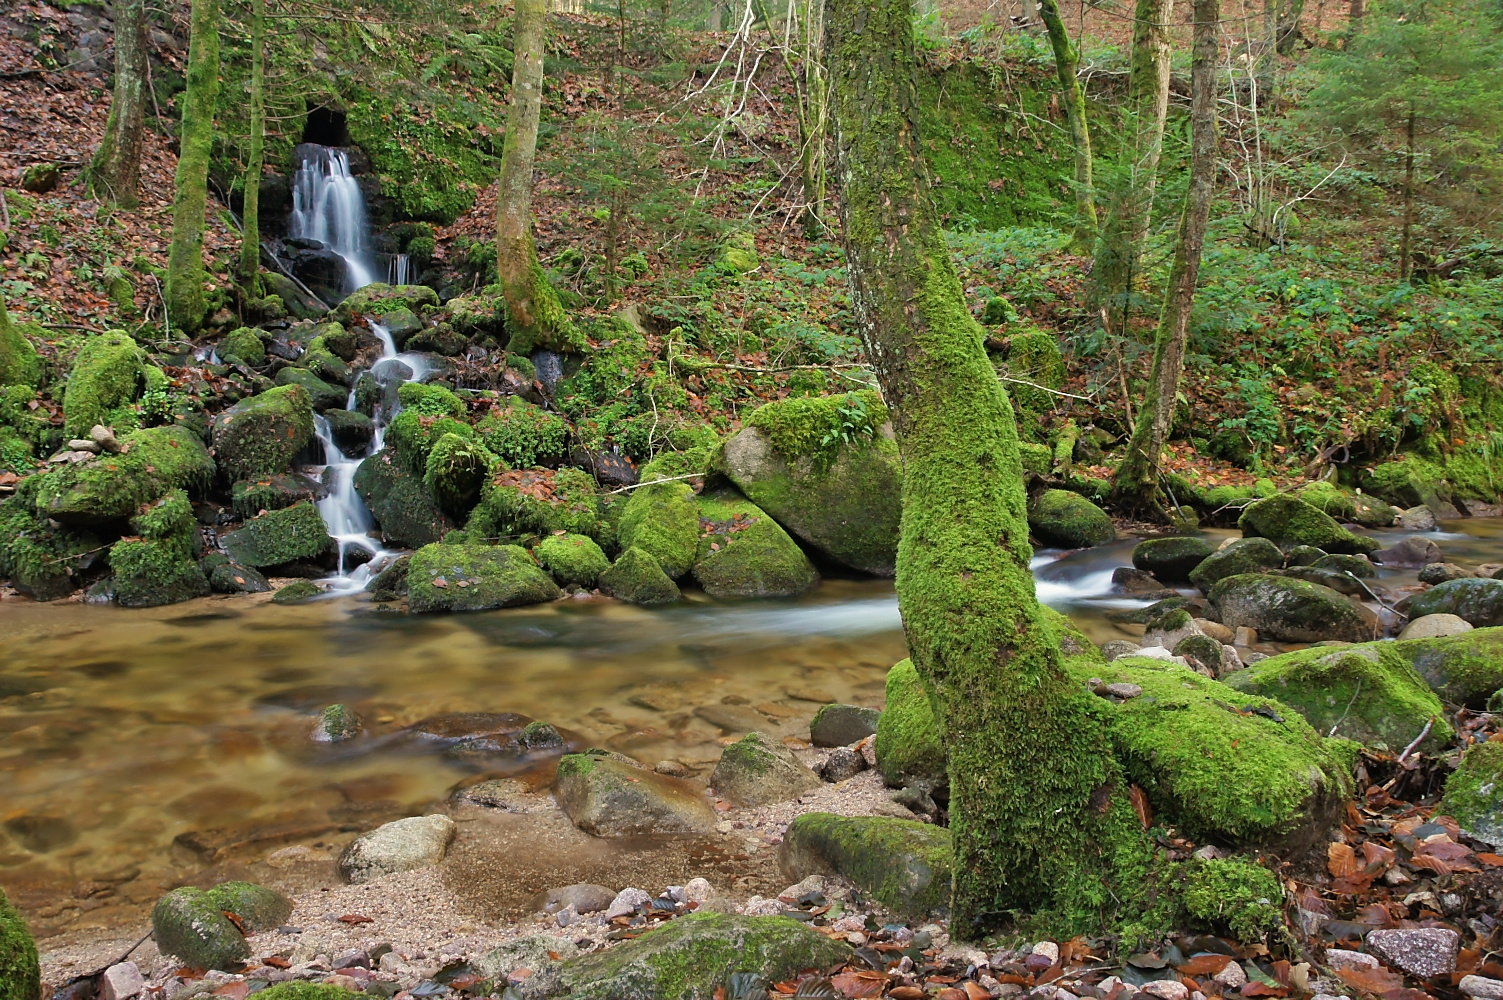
398, 272
328, 206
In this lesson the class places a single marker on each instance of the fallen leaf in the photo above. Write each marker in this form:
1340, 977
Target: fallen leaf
907, 993
865, 983
1140, 806
234, 991
276, 962
1204, 965
356, 918
1379, 980
1341, 860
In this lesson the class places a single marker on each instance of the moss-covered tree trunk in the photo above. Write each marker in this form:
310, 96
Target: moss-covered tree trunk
185, 257
1406, 237
534, 315
1026, 754
250, 220
1067, 65
114, 174
1136, 482
1130, 206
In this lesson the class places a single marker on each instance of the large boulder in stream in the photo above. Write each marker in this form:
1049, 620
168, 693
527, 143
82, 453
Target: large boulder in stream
1171, 560
744, 553
260, 436
280, 537
1471, 599
114, 487
1290, 610
323, 395
377, 299
402, 845
1245, 555
1288, 521
1069, 520
636, 577
408, 516
476, 578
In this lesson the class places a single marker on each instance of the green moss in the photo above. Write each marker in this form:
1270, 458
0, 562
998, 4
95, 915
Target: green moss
1329, 499
324, 363
475, 578
662, 519
818, 426
20, 972
1463, 669
1474, 793
18, 358
259, 908
1171, 559
243, 343
280, 536
39, 558
106, 375
1287, 521
908, 746
744, 553
113, 487
1037, 458
159, 568
260, 436
250, 497
904, 865
1219, 498
296, 592
1407, 482
1060, 517
456, 470
537, 502
408, 516
637, 578
1235, 895
572, 559
378, 299
525, 435
190, 925
308, 991
412, 435
1034, 356
546, 325
324, 395
1245, 555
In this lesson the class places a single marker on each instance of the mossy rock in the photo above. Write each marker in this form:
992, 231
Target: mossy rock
1302, 555
1290, 610
308, 991
338, 339
1463, 669
1288, 521
475, 578
1038, 459
352, 430
1034, 355
902, 864
1245, 555
1474, 793
411, 436
336, 724
323, 362
1474, 600
908, 746
1407, 483
106, 375
259, 908
478, 314
251, 496
1370, 512
1235, 896
744, 553
456, 472
297, 592
20, 971
1069, 520
189, 924
260, 436
323, 395
114, 487
1358, 566
1368, 693
19, 364
243, 344
572, 559
689, 958
1171, 559
150, 574
524, 502
757, 770
662, 519
1329, 499
41, 558
609, 796
636, 577
842, 725
226, 576
378, 299
409, 517
525, 435
298, 303
279, 537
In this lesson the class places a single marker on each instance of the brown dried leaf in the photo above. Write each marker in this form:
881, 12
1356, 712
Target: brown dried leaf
1379, 980
1341, 860
1140, 806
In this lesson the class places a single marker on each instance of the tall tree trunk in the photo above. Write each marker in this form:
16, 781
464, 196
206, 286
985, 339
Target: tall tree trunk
1025, 754
250, 224
185, 257
1136, 480
1067, 65
1119, 250
1288, 30
114, 173
534, 316
1406, 241
1355, 14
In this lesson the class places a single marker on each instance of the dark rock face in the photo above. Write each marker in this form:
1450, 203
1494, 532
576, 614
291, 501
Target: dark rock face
323, 271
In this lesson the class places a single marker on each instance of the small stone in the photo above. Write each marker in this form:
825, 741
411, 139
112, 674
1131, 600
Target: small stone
698, 890
626, 903
1481, 988
757, 770
819, 695
1435, 626
1117, 648
583, 897
1215, 630
353, 958
80, 444
1210, 852
673, 768
1233, 976
104, 438
1048, 949
1245, 636
123, 981
1167, 989
1417, 519
1340, 958
399, 846
1419, 951
842, 765
1440, 572
1121, 690
342, 982
336, 724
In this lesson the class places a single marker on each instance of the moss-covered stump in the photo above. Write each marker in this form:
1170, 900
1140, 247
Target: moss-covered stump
323, 395
377, 299
662, 519
260, 436
1245, 555
572, 559
757, 770
259, 908
1368, 693
20, 972
397, 499
689, 958
522, 502
1463, 669
1291, 610
113, 487
191, 925
1171, 559
744, 553
842, 498
907, 746
1069, 520
1221, 764
278, 537
1288, 520
475, 578
904, 865
106, 376
252, 496
636, 577
1473, 600
1474, 793
456, 472
608, 797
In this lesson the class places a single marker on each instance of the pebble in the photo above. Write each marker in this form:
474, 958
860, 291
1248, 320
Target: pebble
1419, 951
698, 890
1121, 689
1049, 949
1233, 977
842, 764
1167, 989
673, 768
122, 981
1215, 630
583, 897
1340, 958
1244, 636
1329, 996
1481, 988
626, 903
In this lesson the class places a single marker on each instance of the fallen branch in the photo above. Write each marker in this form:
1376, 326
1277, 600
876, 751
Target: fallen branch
1417, 740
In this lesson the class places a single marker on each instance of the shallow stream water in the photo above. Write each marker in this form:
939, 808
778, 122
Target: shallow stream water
141, 749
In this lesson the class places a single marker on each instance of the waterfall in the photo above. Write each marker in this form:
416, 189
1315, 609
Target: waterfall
328, 206
398, 273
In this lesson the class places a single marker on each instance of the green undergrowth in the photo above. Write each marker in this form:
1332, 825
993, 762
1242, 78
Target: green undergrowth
819, 426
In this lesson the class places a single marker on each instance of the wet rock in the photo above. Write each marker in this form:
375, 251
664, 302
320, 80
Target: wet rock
1474, 793
842, 725
1291, 610
627, 902
1410, 553
907, 744
842, 764
1245, 555
1481, 988
297, 592
539, 954
673, 768
1336, 580
904, 865
1288, 521
689, 958
1357, 565
1303, 555
744, 553
757, 770
1138, 584
609, 798
352, 430
1069, 520
1171, 559
189, 924
475, 578
1435, 626
260, 436
1170, 629
278, 537
1463, 669
20, 972
1419, 951
378, 299
636, 578
1417, 519
324, 272
1114, 648
408, 515
584, 897
399, 846
1479, 602
121, 982
258, 907
1440, 572
250, 497
324, 396
336, 724
479, 734
732, 718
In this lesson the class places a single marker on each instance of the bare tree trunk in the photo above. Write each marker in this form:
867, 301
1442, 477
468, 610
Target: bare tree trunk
1136, 481
114, 173
1288, 30
1067, 65
185, 257
1355, 14
534, 316
250, 221
1406, 241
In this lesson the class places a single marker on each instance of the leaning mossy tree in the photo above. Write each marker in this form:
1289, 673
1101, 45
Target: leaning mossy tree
185, 258
250, 217
1040, 813
114, 173
534, 316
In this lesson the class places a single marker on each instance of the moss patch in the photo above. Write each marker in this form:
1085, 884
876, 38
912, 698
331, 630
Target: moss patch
525, 435
1474, 793
191, 925
572, 559
106, 376
817, 426
516, 504
18, 358
744, 553
1235, 895
908, 746
456, 471
20, 972
113, 487
662, 519
637, 578
1288, 520
1476, 600
1291, 610
1463, 669
260, 436
1245, 555
475, 578
904, 865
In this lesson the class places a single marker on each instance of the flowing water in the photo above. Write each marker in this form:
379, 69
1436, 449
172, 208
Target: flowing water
328, 206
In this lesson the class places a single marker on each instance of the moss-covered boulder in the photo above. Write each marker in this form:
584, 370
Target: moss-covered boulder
278, 537
522, 502
475, 578
842, 725
351, 429
1069, 520
1368, 693
902, 864
297, 592
41, 558
250, 497
1463, 669
757, 770
1291, 610
409, 517
319, 359
20, 972
636, 577
1474, 600
260, 436
1245, 555
226, 576
606, 796
113, 487
1171, 559
191, 925
524, 434
19, 364
296, 990
1407, 482
456, 472
323, 395
377, 299
744, 553
1474, 793
1358, 566
159, 566
1235, 896
1287, 521
908, 746
826, 471
692, 957
259, 908
106, 376
572, 559
244, 345
662, 519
